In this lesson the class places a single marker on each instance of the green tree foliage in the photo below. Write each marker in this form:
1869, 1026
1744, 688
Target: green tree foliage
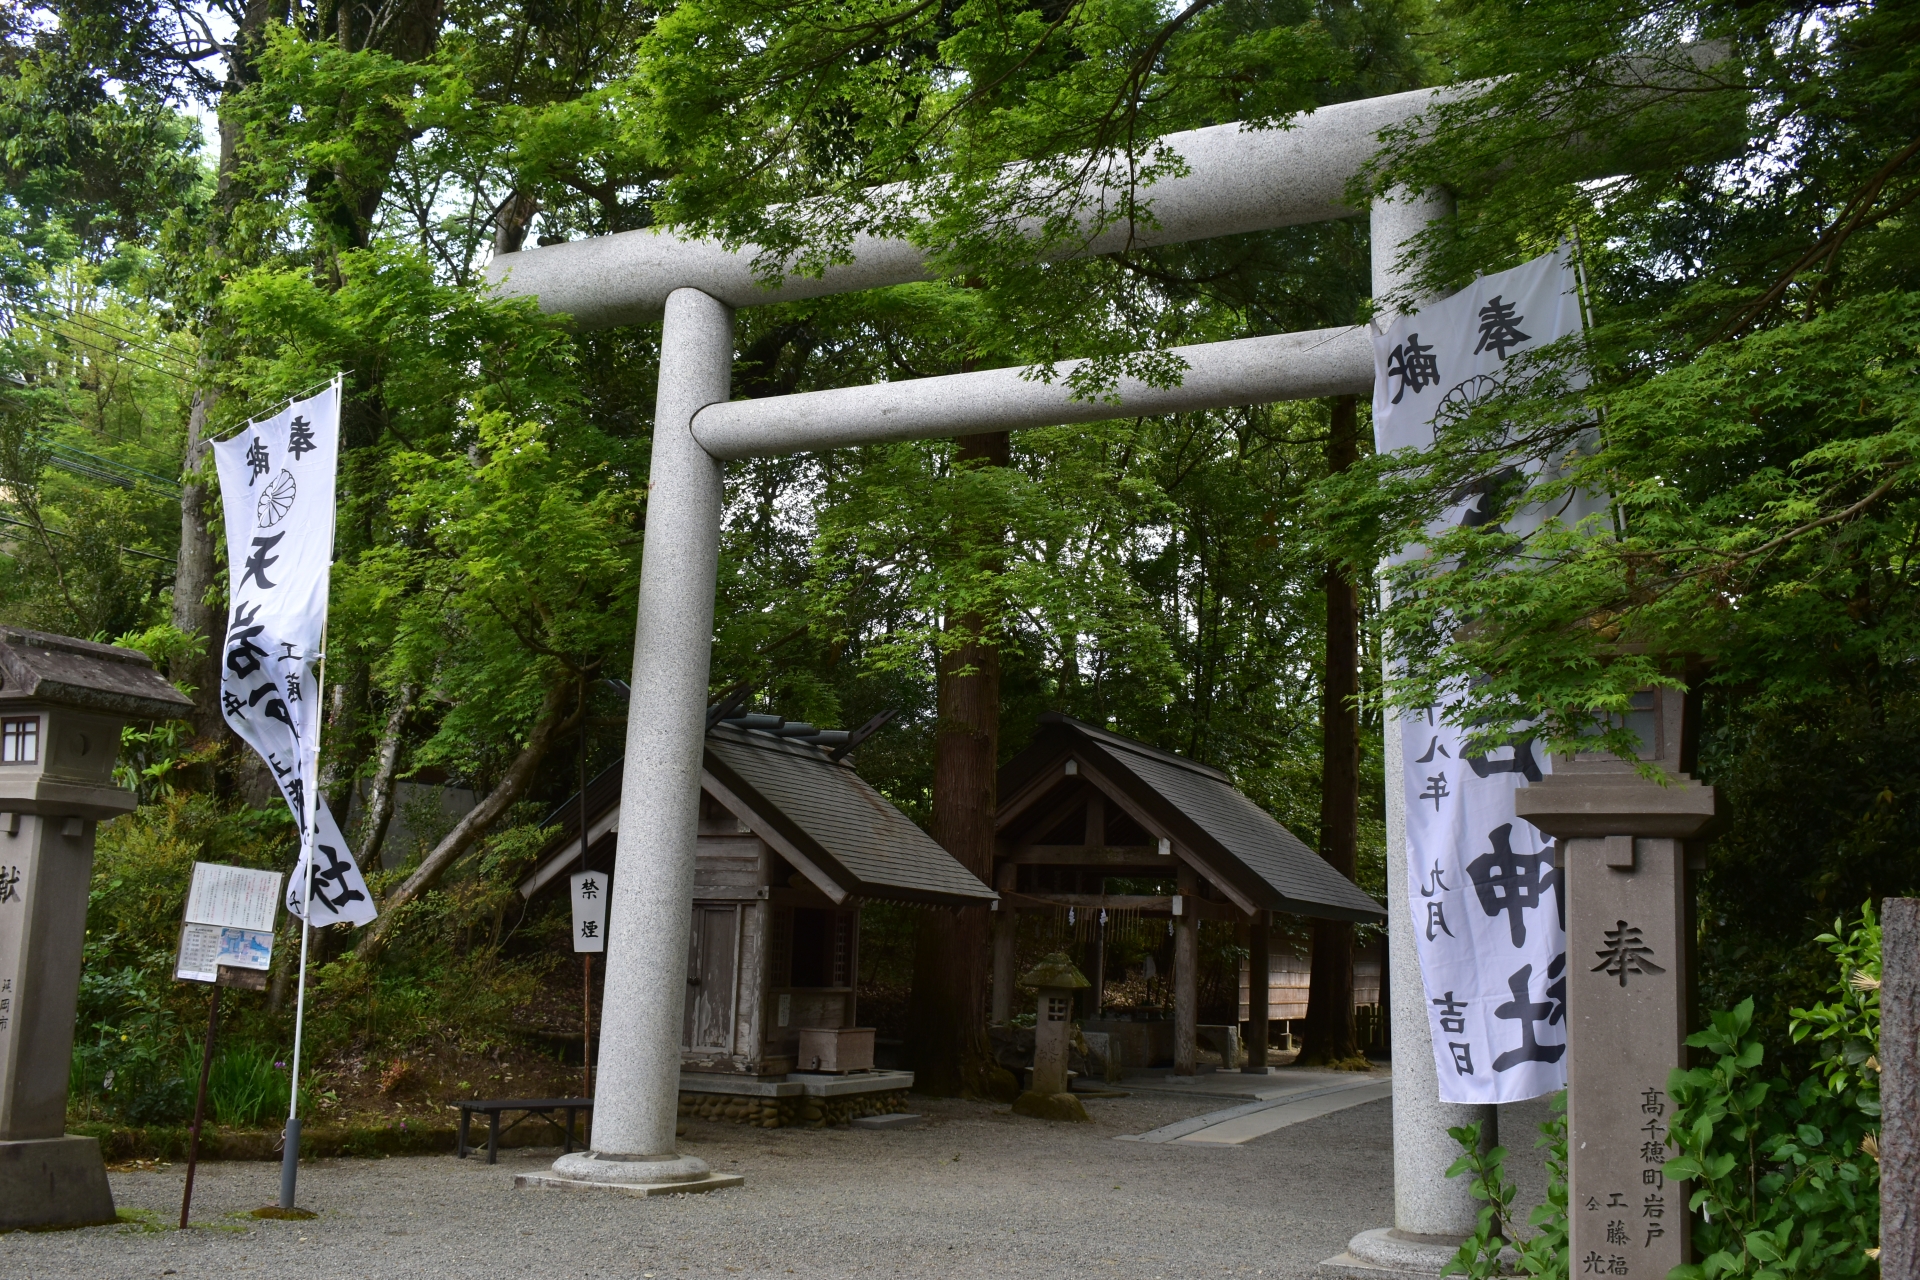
1738, 185
1497, 1246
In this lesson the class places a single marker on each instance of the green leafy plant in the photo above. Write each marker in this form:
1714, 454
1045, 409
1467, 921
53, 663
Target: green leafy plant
1545, 1252
1849, 1025
1495, 1247
1485, 1250
132, 1066
244, 1089
1784, 1178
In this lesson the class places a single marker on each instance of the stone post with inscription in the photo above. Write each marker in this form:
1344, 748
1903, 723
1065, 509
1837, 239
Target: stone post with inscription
1624, 868
62, 703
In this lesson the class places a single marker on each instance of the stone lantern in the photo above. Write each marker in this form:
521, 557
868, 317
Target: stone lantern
62, 704
1623, 871
1048, 1098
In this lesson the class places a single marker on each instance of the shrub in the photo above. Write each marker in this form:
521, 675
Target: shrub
1785, 1182
244, 1089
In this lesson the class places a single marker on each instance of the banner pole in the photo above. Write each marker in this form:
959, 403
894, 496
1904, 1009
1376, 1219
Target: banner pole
310, 801
290, 1155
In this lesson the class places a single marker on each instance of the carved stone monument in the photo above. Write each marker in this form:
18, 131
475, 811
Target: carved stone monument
1048, 1098
1624, 868
62, 703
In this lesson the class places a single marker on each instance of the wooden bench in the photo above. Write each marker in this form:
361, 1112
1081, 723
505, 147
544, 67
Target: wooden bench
493, 1107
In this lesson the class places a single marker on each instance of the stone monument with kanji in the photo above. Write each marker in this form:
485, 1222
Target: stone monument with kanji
62, 705
1622, 845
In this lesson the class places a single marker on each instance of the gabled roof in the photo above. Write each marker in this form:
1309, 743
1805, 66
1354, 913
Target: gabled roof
849, 830
1236, 841
853, 837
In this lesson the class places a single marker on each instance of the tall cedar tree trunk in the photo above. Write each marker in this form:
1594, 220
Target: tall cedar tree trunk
198, 607
407, 32
1330, 1031
950, 948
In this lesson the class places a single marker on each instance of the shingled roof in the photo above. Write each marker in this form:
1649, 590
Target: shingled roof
849, 830
852, 835
1236, 841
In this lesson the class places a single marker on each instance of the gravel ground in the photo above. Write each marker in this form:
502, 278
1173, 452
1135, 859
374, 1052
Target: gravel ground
976, 1192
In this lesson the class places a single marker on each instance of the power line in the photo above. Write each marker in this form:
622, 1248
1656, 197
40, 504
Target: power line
50, 321
79, 463
58, 533
121, 355
131, 336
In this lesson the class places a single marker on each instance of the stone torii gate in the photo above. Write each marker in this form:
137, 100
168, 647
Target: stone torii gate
1236, 180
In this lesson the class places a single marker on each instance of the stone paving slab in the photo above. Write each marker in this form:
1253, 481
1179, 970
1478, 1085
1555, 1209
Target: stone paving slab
1341, 1093
1278, 1082
1284, 1112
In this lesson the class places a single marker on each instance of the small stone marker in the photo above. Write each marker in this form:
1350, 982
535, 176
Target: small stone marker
1049, 1099
1623, 869
892, 1120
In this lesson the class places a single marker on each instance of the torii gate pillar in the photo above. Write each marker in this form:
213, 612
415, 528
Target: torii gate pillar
648, 919
1431, 1212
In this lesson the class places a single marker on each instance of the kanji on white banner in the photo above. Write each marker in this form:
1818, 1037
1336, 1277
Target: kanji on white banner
277, 485
1488, 913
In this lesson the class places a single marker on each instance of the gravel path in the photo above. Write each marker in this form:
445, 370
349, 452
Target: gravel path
976, 1192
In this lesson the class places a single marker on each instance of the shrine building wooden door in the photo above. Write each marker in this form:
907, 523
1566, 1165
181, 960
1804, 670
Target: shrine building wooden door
713, 950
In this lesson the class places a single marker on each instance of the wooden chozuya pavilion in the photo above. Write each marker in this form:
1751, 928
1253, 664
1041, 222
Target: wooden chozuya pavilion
791, 842
1081, 806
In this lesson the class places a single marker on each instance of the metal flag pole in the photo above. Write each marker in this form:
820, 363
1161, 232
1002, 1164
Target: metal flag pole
290, 1155
310, 801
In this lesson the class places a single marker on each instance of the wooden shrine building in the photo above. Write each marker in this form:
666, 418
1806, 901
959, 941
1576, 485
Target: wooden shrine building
791, 842
1081, 807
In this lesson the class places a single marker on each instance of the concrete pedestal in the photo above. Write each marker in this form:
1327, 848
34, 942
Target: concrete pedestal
1900, 1089
1386, 1251
53, 1182
667, 1176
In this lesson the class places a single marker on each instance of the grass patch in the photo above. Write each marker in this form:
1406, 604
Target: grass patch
142, 1221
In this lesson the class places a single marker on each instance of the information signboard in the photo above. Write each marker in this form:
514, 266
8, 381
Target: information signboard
229, 921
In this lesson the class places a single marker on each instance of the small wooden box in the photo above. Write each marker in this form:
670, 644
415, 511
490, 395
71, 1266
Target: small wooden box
835, 1049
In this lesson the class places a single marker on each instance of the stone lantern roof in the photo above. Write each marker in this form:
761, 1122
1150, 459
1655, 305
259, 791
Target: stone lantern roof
79, 673
1056, 972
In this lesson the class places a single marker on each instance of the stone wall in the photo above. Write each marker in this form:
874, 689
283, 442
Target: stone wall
805, 1112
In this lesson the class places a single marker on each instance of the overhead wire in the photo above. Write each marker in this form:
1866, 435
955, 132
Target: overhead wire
61, 533
272, 406
121, 355
59, 314
131, 336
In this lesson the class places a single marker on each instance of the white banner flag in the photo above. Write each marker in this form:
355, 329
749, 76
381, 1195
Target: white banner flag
1489, 918
277, 485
